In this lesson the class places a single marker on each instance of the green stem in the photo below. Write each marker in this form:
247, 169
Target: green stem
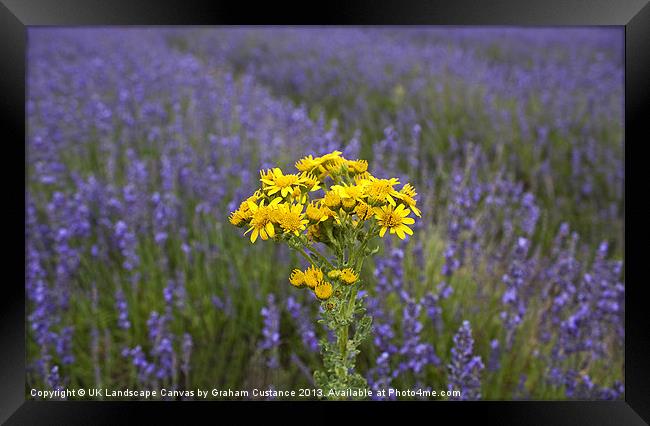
343, 344
323, 258
351, 302
344, 335
301, 251
314, 251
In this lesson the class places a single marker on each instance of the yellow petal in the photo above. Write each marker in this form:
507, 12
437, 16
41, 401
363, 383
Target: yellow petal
400, 233
408, 220
254, 235
270, 229
383, 231
407, 229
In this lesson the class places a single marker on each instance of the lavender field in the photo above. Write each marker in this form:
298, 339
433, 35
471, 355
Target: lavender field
142, 141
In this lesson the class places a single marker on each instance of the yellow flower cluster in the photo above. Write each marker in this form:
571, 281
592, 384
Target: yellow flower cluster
330, 200
346, 276
351, 197
312, 278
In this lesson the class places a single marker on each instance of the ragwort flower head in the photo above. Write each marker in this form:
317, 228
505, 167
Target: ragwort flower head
348, 276
364, 211
358, 166
275, 181
310, 181
323, 290
334, 273
321, 167
394, 219
291, 218
380, 191
297, 278
355, 192
263, 219
332, 200
407, 196
309, 164
243, 214
313, 277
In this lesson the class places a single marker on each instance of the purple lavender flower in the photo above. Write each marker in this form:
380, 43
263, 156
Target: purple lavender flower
305, 327
581, 386
271, 331
416, 353
54, 379
514, 297
162, 347
530, 214
187, 352
465, 368
431, 302
144, 368
64, 345
122, 310
225, 307
126, 241
381, 376
495, 355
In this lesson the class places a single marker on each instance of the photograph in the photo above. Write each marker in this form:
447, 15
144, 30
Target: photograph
316, 213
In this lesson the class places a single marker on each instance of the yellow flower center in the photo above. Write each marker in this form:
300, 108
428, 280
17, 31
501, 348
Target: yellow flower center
395, 220
364, 211
348, 203
358, 166
314, 213
313, 276
323, 290
332, 200
392, 219
284, 181
291, 221
379, 189
348, 276
261, 217
334, 273
297, 278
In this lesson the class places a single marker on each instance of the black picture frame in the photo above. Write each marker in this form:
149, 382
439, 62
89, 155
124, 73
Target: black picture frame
634, 15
